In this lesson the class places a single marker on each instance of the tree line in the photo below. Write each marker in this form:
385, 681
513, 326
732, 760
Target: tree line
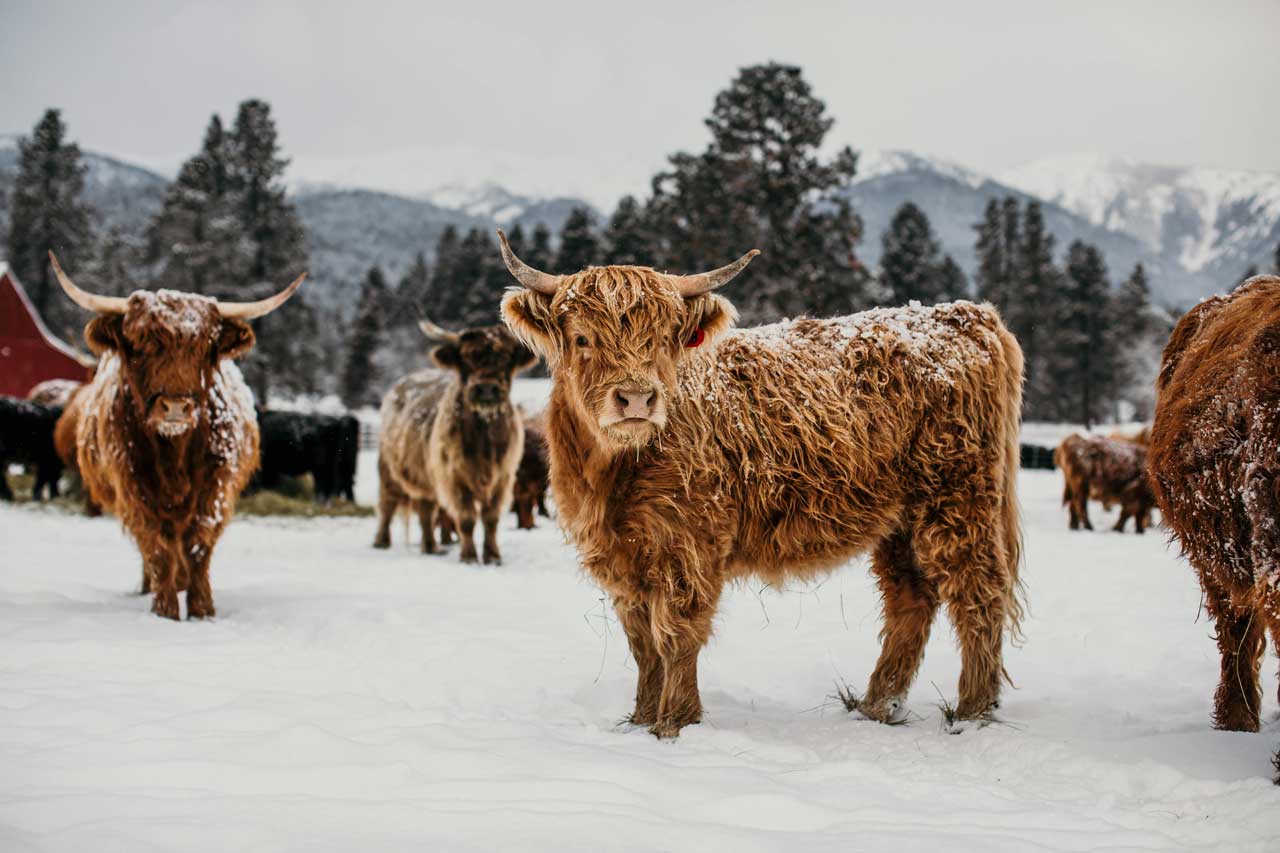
226, 228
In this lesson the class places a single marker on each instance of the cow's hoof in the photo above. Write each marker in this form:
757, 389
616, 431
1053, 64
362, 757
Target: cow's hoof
468, 558
665, 730
166, 606
200, 609
889, 710
493, 559
382, 544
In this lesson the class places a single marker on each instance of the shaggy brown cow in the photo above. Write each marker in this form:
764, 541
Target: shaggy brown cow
452, 440
531, 476
64, 440
1108, 470
1215, 464
166, 438
684, 456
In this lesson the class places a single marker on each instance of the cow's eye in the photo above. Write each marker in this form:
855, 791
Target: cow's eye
582, 341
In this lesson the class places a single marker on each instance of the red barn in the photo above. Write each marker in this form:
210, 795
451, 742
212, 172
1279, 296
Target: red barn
29, 353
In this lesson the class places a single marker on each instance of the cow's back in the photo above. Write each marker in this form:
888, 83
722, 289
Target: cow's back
409, 412
1217, 422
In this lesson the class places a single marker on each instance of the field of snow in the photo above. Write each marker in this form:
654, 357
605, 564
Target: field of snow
352, 699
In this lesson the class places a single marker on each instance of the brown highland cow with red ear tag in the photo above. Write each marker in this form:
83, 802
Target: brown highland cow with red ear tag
166, 436
685, 455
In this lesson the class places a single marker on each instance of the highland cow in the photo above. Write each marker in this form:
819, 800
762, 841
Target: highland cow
1215, 465
451, 440
685, 455
532, 475
55, 393
1109, 470
64, 441
167, 438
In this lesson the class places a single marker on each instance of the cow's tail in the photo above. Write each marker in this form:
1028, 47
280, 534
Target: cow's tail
1011, 519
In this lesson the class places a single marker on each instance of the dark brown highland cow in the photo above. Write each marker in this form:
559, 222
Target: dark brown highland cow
450, 441
1108, 470
532, 476
1215, 464
165, 434
685, 455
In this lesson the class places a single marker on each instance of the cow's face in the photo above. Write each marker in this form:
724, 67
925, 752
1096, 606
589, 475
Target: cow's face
613, 337
485, 360
169, 345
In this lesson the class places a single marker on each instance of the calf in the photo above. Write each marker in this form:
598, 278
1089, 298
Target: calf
452, 439
1107, 470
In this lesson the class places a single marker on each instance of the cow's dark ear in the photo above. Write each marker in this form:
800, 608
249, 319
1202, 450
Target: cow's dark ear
447, 356
522, 358
234, 339
528, 315
104, 333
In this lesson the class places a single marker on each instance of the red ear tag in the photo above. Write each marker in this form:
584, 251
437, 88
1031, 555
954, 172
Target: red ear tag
697, 338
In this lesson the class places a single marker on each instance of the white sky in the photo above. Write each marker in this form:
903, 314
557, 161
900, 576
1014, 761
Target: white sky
588, 98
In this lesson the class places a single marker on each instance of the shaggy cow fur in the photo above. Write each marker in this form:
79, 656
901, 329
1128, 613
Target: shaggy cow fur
167, 438
452, 440
296, 443
26, 436
55, 393
1215, 464
781, 451
1108, 470
532, 476
64, 441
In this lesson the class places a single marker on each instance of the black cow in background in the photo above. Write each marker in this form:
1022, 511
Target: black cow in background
26, 436
324, 446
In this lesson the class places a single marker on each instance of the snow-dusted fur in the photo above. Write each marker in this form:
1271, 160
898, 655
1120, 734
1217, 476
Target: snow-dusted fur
782, 452
442, 449
173, 484
1110, 470
1215, 464
54, 392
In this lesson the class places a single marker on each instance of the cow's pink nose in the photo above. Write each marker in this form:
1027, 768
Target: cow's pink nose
177, 409
634, 404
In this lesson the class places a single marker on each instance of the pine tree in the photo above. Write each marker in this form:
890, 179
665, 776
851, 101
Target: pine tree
540, 255
628, 238
1083, 347
579, 246
1249, 273
443, 303
1135, 341
761, 183
196, 240
487, 279
993, 253
275, 252
1276, 262
412, 294
517, 239
47, 212
1035, 287
953, 282
360, 377
911, 264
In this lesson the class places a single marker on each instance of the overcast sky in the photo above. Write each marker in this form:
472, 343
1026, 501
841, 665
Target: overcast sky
591, 96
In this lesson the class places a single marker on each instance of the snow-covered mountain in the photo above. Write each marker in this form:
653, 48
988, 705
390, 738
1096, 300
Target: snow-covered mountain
1211, 221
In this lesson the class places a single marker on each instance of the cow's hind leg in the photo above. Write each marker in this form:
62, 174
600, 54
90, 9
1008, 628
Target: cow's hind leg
909, 602
427, 521
1080, 501
389, 500
637, 624
962, 547
1238, 700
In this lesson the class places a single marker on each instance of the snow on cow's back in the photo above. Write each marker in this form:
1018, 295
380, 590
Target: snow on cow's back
937, 345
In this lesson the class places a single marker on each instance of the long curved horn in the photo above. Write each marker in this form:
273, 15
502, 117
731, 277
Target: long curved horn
253, 310
91, 301
525, 274
705, 282
437, 335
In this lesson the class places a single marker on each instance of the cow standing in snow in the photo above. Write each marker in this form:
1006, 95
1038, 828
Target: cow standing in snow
1215, 466
166, 437
451, 439
684, 455
1110, 470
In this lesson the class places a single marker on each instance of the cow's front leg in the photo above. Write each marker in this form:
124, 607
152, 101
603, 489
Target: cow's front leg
163, 571
199, 591
427, 521
636, 622
490, 515
681, 629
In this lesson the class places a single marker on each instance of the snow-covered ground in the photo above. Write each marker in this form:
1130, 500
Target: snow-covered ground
353, 699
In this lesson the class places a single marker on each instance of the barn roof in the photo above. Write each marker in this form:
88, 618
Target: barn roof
29, 352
